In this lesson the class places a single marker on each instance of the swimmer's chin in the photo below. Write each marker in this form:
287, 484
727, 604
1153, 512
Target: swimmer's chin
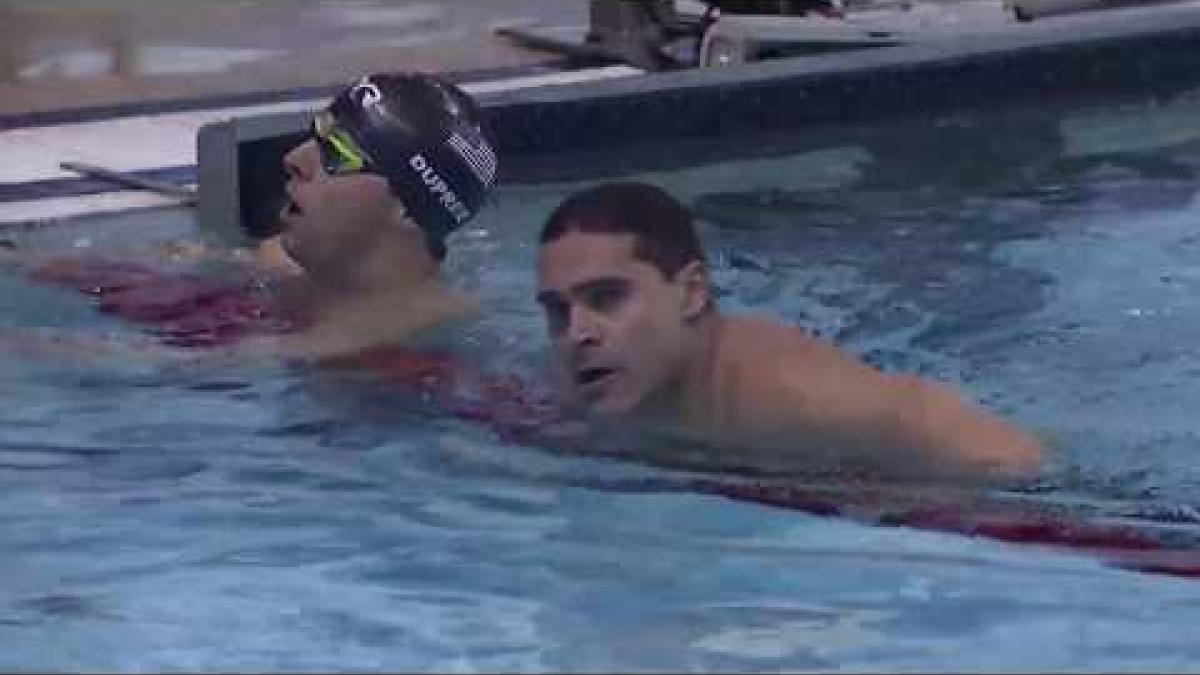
271, 255
605, 409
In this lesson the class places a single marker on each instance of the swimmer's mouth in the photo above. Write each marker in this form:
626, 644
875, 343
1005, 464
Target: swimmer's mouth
591, 376
291, 210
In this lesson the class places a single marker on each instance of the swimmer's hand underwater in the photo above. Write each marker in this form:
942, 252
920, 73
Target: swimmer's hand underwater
349, 327
266, 256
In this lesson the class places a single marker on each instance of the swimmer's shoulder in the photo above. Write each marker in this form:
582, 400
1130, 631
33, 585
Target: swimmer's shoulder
785, 368
425, 316
754, 340
454, 325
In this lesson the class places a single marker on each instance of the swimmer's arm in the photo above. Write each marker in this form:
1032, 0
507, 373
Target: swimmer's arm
266, 256
876, 414
933, 416
408, 319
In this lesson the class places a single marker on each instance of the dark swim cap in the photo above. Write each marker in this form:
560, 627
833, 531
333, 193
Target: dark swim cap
426, 136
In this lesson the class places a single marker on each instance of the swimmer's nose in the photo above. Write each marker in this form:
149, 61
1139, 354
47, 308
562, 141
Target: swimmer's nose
303, 161
583, 330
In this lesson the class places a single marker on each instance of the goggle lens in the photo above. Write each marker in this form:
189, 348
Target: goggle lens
340, 154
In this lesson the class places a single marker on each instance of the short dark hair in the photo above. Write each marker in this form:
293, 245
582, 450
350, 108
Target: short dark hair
665, 236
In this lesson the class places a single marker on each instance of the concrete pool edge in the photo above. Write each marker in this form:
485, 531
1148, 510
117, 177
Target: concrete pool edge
38, 182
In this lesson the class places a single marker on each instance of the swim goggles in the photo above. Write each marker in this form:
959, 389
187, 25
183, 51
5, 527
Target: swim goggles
340, 153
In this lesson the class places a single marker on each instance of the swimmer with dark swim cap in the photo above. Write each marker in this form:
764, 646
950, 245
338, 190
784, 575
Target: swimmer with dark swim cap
395, 164
392, 146
421, 134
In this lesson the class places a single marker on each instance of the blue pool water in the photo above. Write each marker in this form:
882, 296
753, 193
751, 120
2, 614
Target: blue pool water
272, 518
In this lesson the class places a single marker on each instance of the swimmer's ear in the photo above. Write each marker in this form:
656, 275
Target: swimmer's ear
697, 296
402, 222
399, 215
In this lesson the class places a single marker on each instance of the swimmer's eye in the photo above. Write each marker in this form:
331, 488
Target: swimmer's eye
606, 295
340, 154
